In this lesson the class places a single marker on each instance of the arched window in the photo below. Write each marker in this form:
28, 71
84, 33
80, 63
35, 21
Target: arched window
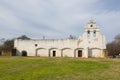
88, 33
94, 33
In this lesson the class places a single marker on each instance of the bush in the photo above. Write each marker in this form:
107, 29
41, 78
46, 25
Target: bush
24, 53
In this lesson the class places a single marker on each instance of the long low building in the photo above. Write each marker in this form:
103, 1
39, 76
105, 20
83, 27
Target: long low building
90, 44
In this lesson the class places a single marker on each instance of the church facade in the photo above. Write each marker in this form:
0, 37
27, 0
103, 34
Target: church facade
90, 44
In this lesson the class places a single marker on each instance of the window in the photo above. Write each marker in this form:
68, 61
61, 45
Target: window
91, 25
36, 45
94, 34
88, 33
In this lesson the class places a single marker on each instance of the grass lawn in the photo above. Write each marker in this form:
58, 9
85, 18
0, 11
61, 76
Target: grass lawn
36, 68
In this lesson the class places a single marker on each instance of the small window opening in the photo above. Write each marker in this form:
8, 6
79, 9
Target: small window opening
36, 45
88, 34
94, 34
91, 25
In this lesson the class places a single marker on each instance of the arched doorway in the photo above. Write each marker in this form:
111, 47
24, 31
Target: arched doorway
54, 53
24, 53
42, 52
67, 52
79, 53
96, 52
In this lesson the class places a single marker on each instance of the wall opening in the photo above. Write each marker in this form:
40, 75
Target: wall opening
91, 25
36, 45
79, 53
88, 33
54, 53
24, 53
94, 34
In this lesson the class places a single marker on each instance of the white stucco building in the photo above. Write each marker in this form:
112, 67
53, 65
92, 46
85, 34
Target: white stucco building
90, 44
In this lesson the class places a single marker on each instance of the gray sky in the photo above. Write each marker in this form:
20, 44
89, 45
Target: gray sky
57, 18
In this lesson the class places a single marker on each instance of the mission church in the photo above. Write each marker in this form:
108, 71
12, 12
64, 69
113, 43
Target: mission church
90, 44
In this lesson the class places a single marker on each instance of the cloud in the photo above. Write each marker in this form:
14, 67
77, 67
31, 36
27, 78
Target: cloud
56, 18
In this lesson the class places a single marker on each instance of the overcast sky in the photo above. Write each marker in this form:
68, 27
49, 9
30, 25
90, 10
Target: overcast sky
57, 18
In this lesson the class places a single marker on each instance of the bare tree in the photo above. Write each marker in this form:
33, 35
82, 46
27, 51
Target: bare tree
117, 39
8, 44
113, 48
24, 37
71, 37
